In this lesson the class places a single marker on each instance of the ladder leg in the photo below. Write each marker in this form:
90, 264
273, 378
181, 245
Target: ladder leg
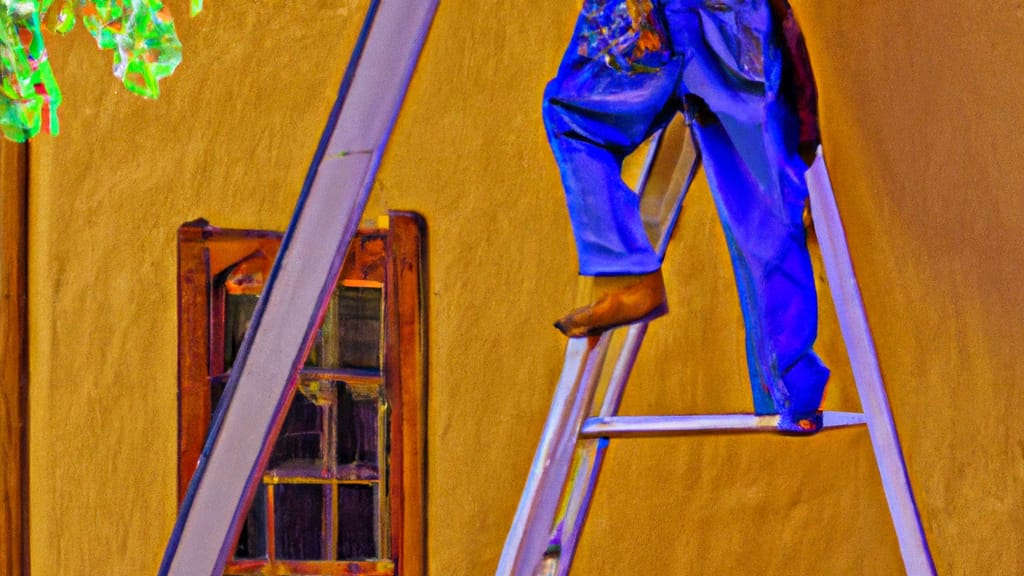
591, 452
663, 208
667, 178
528, 537
867, 374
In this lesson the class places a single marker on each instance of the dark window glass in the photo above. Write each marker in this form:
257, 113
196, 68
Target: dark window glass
350, 336
252, 543
326, 469
358, 424
299, 520
238, 309
217, 386
358, 534
360, 319
298, 444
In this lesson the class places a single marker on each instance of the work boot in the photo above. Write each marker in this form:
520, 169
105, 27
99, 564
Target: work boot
641, 300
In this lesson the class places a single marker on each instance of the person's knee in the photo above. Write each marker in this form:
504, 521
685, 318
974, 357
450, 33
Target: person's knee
552, 114
559, 119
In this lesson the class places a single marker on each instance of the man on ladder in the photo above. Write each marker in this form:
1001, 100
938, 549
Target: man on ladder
739, 71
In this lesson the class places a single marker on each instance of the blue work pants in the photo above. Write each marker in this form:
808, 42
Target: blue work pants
721, 61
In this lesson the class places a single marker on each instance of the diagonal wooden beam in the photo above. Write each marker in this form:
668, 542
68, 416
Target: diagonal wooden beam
13, 359
296, 294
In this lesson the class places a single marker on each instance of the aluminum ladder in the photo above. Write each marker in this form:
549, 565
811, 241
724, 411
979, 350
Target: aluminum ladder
576, 436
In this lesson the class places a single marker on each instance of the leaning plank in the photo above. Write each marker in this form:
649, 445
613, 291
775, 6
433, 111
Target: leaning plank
296, 294
853, 323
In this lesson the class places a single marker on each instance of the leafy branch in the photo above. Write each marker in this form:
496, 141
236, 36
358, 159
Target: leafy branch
140, 33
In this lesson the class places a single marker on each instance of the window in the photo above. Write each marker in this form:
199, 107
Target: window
342, 492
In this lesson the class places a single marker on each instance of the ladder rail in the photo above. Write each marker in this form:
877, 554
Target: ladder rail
590, 460
591, 452
682, 179
524, 547
671, 166
853, 324
635, 335
662, 207
593, 434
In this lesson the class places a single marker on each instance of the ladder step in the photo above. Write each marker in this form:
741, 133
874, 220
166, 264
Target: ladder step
627, 426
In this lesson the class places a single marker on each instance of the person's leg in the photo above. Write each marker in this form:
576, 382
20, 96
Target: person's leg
596, 116
597, 110
604, 211
760, 204
749, 139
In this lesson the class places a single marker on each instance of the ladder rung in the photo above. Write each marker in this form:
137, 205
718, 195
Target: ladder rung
626, 426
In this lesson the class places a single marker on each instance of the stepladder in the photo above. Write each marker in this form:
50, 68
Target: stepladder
584, 414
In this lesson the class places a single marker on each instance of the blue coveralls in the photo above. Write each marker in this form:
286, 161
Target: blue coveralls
722, 59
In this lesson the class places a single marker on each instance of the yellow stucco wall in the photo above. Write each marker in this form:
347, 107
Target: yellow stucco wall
921, 125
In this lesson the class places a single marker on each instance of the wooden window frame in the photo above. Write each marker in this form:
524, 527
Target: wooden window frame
13, 358
205, 251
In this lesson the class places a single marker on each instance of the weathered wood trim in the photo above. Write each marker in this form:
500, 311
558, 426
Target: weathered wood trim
203, 252
13, 359
193, 346
395, 257
406, 378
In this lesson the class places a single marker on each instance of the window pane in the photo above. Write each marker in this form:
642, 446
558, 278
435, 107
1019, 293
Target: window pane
299, 440
299, 520
350, 336
360, 320
217, 387
252, 543
358, 425
358, 531
238, 309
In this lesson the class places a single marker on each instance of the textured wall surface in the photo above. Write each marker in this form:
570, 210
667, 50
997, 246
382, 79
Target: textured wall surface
229, 141
920, 120
923, 119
